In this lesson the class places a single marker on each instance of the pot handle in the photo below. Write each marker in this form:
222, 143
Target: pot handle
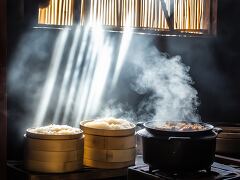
140, 124
181, 138
217, 130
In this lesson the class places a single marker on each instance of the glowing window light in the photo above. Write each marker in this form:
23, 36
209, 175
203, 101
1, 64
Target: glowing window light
188, 15
54, 66
58, 12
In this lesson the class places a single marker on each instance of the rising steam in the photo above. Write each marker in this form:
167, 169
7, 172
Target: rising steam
169, 84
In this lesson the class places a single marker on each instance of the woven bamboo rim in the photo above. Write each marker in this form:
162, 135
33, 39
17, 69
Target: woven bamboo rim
47, 136
54, 144
104, 132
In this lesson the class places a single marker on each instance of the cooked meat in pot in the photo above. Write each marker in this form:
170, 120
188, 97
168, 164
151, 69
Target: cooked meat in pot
179, 126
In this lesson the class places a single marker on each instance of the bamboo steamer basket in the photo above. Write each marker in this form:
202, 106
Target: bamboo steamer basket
109, 149
104, 155
53, 167
53, 153
48, 156
53, 145
108, 142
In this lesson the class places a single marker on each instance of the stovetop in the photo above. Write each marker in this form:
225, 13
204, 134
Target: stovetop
218, 171
225, 168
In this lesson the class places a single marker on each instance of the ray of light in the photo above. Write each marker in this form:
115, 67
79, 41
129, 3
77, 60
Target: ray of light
100, 76
51, 77
74, 82
125, 42
67, 74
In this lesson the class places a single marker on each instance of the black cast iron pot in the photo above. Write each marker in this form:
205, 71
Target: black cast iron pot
178, 151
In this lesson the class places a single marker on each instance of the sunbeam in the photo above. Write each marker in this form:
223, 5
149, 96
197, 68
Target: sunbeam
89, 61
67, 74
74, 82
51, 77
126, 40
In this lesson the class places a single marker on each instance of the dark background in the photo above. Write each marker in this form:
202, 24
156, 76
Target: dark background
214, 62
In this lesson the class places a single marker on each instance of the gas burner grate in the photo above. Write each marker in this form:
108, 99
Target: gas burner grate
218, 172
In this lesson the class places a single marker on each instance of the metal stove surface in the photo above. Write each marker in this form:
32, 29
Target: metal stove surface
218, 172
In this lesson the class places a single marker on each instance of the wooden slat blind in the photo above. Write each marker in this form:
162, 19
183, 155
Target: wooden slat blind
189, 14
59, 12
160, 15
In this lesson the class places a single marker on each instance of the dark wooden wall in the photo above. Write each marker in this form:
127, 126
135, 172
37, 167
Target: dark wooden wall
3, 102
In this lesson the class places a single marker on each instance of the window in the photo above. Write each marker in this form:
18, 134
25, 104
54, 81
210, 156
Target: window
170, 16
58, 12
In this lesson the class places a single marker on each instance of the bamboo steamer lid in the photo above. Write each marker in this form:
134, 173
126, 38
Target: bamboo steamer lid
107, 142
54, 145
105, 132
52, 167
107, 165
109, 155
48, 156
31, 134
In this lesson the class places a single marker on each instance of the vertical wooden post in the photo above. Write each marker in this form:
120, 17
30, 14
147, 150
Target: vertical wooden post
171, 15
87, 10
3, 97
138, 14
213, 17
168, 15
76, 11
206, 15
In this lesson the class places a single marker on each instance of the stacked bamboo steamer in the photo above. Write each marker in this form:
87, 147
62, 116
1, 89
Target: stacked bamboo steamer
109, 149
53, 153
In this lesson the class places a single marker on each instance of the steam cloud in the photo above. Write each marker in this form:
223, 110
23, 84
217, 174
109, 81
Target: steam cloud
169, 84
115, 109
164, 83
